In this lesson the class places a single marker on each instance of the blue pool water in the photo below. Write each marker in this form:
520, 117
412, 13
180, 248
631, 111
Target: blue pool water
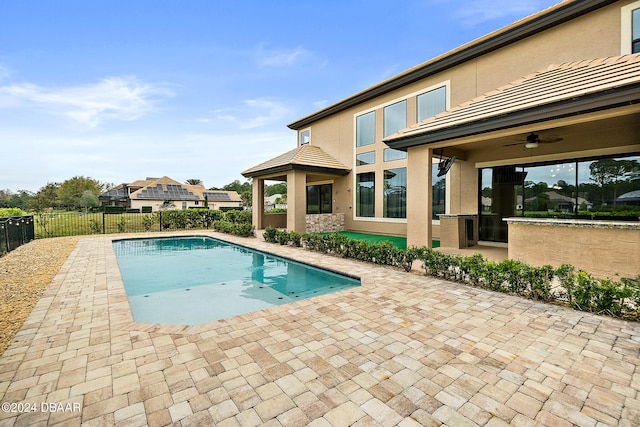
192, 280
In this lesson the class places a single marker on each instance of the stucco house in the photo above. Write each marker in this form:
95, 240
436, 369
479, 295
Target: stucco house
552, 98
154, 194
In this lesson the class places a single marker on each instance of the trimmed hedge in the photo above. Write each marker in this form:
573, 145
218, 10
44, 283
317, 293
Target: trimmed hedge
563, 285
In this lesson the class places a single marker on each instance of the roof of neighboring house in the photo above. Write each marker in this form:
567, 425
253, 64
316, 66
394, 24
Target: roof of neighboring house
165, 188
117, 192
631, 196
550, 17
557, 197
306, 157
221, 196
557, 91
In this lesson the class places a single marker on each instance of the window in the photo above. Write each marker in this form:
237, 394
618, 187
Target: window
390, 154
439, 193
395, 193
365, 194
319, 199
635, 31
432, 103
367, 158
395, 118
630, 28
366, 129
305, 137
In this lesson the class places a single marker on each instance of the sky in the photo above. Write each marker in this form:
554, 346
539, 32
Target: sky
121, 90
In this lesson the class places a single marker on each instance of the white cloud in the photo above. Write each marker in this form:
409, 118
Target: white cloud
280, 57
113, 98
4, 72
255, 113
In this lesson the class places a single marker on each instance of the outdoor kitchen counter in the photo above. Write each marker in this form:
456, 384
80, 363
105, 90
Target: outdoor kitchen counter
611, 248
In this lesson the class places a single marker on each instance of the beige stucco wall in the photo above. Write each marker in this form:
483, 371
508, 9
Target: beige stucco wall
592, 36
601, 248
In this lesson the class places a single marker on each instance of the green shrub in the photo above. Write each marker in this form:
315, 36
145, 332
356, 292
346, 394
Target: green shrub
269, 234
147, 221
282, 237
95, 226
6, 212
239, 229
121, 224
579, 289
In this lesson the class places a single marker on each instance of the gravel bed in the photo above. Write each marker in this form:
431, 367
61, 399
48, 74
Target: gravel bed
24, 274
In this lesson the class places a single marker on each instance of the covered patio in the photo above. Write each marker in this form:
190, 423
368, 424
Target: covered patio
309, 173
564, 116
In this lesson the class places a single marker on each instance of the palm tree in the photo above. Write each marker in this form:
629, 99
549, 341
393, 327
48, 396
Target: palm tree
194, 181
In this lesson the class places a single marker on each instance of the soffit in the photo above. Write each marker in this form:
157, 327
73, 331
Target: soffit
569, 88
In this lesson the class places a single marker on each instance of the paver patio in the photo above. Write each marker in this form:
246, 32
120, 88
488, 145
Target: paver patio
402, 349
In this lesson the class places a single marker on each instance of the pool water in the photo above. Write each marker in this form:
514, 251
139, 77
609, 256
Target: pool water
193, 280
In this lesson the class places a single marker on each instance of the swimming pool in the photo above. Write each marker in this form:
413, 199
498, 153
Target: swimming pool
198, 279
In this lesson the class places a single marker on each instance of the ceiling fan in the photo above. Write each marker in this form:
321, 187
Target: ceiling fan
533, 140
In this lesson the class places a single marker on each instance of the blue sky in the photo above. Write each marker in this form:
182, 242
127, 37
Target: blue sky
120, 90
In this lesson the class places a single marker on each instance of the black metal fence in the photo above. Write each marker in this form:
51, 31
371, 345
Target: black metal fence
15, 231
75, 223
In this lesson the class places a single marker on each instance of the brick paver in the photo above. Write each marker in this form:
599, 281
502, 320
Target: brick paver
402, 349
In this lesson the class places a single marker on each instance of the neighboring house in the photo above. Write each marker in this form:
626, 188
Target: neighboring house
556, 202
632, 198
275, 201
165, 193
550, 94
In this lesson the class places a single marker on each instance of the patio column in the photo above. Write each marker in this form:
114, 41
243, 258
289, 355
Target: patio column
419, 196
258, 203
296, 201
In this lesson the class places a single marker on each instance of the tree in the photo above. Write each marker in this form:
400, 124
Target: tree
89, 200
194, 181
247, 198
279, 188
608, 172
45, 198
71, 191
238, 187
20, 199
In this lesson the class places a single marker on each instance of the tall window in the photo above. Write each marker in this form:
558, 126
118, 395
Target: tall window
366, 129
365, 194
305, 137
319, 199
439, 193
395, 193
635, 31
395, 117
431, 103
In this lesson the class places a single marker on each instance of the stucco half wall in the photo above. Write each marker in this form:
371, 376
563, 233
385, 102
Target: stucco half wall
603, 248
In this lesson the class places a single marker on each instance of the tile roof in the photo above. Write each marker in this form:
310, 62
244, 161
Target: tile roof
560, 82
305, 157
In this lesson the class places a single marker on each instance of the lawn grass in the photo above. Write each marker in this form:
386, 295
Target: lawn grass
397, 241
